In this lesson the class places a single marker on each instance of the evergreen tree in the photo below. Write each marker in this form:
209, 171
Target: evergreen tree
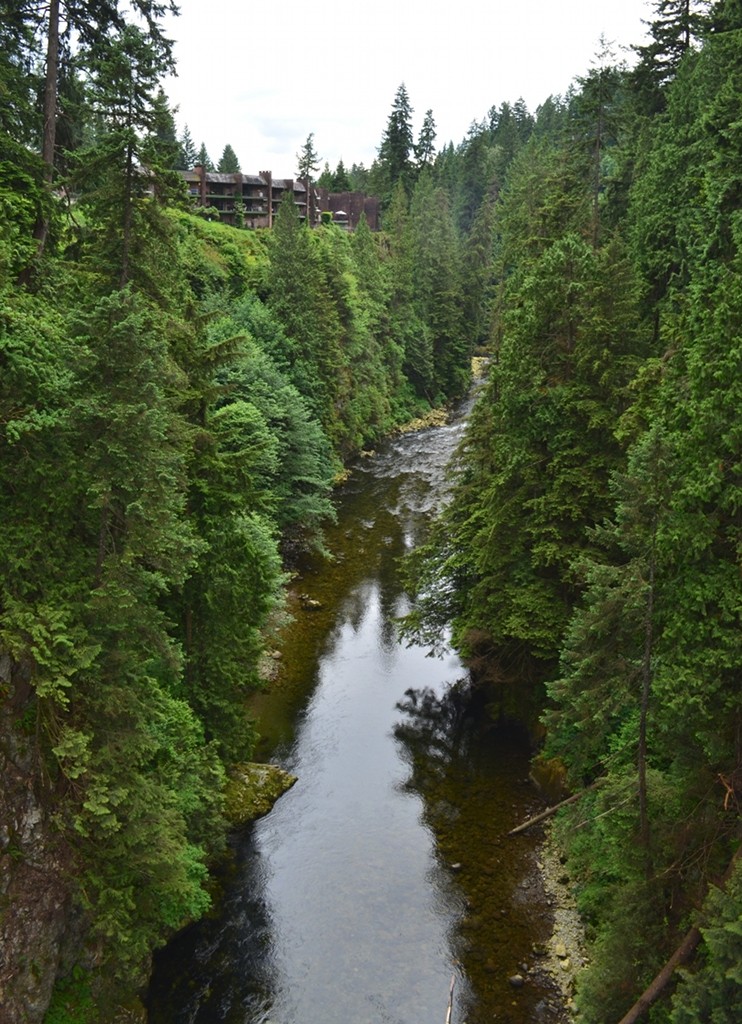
595, 118
228, 162
326, 177
307, 160
91, 21
475, 162
298, 300
188, 156
408, 329
677, 23
204, 160
126, 72
436, 259
358, 177
479, 279
397, 146
163, 148
425, 148
340, 180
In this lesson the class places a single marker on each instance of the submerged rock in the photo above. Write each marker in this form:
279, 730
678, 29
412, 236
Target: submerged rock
253, 789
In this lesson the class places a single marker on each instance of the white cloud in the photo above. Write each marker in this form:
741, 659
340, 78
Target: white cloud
262, 79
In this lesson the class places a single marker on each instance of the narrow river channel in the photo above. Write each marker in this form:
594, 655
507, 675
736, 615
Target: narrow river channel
383, 873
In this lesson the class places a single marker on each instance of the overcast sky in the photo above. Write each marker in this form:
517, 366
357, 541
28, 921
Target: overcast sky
263, 76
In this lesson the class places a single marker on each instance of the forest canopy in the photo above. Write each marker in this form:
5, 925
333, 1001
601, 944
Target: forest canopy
178, 396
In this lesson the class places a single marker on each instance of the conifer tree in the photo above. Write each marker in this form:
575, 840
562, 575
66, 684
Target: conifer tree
408, 329
307, 160
299, 301
677, 23
91, 21
326, 177
188, 155
425, 148
204, 160
228, 162
397, 145
340, 180
110, 172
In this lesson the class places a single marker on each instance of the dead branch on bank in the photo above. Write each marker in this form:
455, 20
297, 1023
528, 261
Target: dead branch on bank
450, 1000
681, 955
552, 810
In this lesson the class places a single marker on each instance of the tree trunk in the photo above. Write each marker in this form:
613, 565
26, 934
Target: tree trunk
552, 810
681, 955
41, 228
646, 677
126, 219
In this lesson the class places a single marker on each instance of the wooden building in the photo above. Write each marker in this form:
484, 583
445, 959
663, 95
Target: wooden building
252, 200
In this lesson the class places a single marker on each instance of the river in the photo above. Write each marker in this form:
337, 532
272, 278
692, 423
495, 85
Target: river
383, 874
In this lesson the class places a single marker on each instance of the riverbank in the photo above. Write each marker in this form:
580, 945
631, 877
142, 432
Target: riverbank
564, 955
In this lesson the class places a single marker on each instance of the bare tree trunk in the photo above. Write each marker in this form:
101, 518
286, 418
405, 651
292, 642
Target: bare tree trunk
126, 220
41, 228
646, 677
552, 810
681, 955
596, 175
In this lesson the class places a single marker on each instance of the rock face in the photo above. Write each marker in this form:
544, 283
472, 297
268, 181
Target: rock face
34, 863
253, 789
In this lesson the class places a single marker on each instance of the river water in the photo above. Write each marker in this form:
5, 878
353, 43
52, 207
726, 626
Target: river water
384, 874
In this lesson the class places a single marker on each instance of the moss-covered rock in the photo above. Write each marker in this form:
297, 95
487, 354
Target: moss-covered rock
253, 789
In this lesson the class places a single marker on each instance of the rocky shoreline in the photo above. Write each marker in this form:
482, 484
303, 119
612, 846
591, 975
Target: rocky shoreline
564, 955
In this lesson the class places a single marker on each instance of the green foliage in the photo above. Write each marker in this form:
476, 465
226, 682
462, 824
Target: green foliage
187, 154
397, 147
22, 200
203, 158
228, 162
425, 148
177, 396
72, 1001
711, 993
307, 160
340, 345
593, 537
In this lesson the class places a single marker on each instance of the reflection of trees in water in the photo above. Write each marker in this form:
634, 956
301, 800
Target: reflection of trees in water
436, 738
471, 774
436, 723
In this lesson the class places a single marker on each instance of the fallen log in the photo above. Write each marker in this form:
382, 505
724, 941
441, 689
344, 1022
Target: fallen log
552, 810
682, 954
654, 990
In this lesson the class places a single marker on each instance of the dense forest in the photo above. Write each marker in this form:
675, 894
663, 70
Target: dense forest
177, 398
590, 558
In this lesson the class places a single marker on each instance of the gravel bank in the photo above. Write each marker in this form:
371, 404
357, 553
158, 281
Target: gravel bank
565, 951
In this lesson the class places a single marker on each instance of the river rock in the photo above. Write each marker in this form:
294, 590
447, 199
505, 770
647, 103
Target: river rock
517, 980
253, 789
560, 950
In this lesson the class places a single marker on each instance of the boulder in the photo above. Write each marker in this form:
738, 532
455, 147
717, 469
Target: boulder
253, 789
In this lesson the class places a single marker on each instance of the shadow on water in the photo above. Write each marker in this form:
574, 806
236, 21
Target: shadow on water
472, 776
384, 870
219, 969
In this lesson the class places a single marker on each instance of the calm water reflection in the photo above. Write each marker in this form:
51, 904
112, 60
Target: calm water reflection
344, 907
